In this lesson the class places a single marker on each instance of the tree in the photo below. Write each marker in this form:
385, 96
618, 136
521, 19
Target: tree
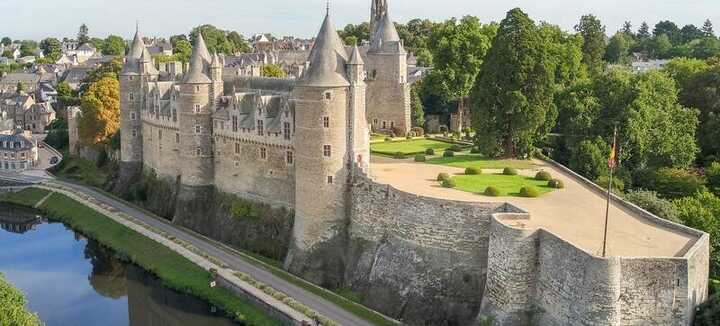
8, 54
6, 41
357, 33
28, 48
593, 32
682, 70
706, 48
627, 29
617, 49
702, 91
589, 158
660, 47
238, 42
182, 50
417, 111
177, 38
51, 48
83, 34
690, 32
515, 91
100, 111
644, 31
113, 45
424, 58
707, 29
215, 39
274, 71
670, 29
702, 212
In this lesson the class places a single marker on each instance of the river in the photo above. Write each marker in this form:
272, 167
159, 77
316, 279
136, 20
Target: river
73, 281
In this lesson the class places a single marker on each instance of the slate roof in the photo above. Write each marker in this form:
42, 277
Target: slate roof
327, 59
15, 142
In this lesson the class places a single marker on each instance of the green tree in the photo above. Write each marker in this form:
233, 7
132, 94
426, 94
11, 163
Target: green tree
28, 48
683, 70
100, 111
593, 32
670, 29
66, 95
182, 50
424, 58
356, 33
515, 91
706, 48
6, 41
627, 29
644, 31
240, 45
417, 111
702, 212
690, 32
274, 71
7, 54
113, 45
590, 158
83, 35
707, 29
215, 39
52, 49
702, 91
617, 49
660, 47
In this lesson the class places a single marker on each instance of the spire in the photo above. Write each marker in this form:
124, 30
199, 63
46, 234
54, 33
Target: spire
199, 61
327, 59
385, 33
355, 57
133, 59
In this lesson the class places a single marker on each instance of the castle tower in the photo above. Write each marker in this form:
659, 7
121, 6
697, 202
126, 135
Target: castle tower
378, 10
388, 106
358, 131
322, 167
195, 109
137, 71
216, 68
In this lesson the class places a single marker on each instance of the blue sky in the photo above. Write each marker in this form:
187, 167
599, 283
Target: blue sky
37, 19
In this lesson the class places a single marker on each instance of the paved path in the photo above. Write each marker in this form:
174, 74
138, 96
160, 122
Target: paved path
576, 213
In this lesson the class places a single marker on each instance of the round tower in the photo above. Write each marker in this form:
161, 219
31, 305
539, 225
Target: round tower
137, 71
321, 168
195, 111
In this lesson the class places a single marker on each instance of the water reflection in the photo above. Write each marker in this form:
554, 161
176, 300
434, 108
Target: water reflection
70, 280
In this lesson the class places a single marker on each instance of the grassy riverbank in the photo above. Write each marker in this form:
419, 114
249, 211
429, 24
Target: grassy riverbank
174, 270
12, 307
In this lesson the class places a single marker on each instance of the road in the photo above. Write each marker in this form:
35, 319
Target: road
226, 255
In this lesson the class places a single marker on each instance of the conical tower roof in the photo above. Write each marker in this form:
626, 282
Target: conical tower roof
199, 61
132, 60
356, 57
146, 62
385, 34
327, 59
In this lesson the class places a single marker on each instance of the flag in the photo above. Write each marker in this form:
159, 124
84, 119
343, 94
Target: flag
612, 161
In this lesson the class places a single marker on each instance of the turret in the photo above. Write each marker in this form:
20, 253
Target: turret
322, 167
216, 68
136, 72
196, 106
358, 131
378, 10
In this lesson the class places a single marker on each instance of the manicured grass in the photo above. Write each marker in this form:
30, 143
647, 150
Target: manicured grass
408, 147
479, 161
12, 307
27, 197
176, 271
508, 185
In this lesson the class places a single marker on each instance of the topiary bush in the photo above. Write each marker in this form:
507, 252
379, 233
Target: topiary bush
429, 151
492, 192
510, 171
455, 148
556, 184
543, 176
399, 155
473, 171
449, 183
529, 192
449, 153
443, 177
419, 158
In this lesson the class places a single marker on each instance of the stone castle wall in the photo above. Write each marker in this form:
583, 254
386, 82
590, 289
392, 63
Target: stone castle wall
534, 277
388, 93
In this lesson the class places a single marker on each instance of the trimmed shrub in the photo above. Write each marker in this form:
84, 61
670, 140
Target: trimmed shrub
473, 171
443, 177
399, 155
543, 176
449, 183
492, 192
449, 153
529, 192
510, 171
475, 150
419, 158
556, 184
388, 139
455, 148
649, 201
429, 151
670, 182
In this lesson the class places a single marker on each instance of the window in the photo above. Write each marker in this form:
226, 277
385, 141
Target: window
286, 130
329, 179
177, 137
384, 124
237, 148
374, 73
134, 133
289, 158
327, 150
263, 153
132, 115
198, 129
130, 78
392, 124
260, 128
328, 96
198, 151
197, 108
197, 89
234, 124
174, 115
326, 122
375, 121
131, 95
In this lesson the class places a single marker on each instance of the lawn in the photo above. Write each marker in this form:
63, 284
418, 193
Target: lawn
176, 271
82, 170
28, 197
509, 185
409, 147
479, 161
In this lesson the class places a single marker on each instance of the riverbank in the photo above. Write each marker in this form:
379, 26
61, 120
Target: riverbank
176, 271
13, 306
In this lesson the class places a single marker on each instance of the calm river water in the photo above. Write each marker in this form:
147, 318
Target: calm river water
72, 281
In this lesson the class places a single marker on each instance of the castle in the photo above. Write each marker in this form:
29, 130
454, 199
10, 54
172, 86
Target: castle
303, 144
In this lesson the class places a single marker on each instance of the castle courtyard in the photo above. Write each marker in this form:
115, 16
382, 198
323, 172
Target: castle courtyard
575, 213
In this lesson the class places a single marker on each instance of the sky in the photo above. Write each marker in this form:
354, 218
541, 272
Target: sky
37, 19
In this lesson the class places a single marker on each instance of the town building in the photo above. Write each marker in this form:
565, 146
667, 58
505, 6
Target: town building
18, 151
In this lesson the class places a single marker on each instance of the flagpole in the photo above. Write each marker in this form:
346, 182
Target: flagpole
612, 162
